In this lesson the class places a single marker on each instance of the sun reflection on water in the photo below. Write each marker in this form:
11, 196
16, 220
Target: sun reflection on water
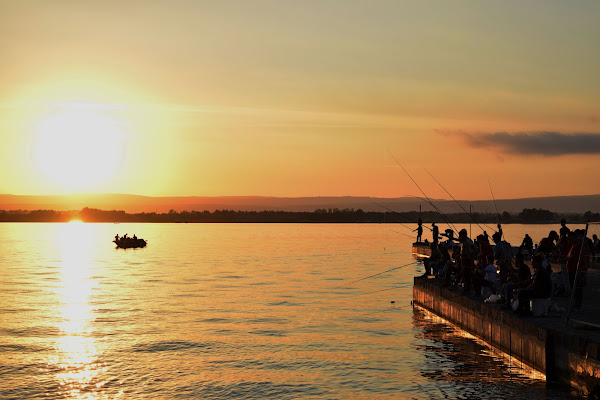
76, 351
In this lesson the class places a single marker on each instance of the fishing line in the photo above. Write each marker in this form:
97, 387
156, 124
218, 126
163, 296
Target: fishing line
417, 185
350, 283
396, 212
444, 217
460, 205
371, 276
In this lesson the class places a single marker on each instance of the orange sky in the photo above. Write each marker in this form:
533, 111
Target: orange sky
289, 98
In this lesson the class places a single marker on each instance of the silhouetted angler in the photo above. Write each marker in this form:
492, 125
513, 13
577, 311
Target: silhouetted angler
436, 232
419, 230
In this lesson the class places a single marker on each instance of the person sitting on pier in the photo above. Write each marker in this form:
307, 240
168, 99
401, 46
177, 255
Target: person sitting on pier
519, 280
432, 263
419, 230
546, 246
503, 256
527, 244
486, 277
540, 287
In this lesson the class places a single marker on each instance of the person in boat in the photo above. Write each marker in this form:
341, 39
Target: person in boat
134, 237
503, 256
419, 230
117, 237
125, 237
436, 232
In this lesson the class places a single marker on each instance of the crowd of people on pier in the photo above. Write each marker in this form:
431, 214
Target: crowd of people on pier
484, 269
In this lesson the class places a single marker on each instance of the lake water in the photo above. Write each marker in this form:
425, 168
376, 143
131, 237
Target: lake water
241, 311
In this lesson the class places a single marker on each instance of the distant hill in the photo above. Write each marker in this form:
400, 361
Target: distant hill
135, 204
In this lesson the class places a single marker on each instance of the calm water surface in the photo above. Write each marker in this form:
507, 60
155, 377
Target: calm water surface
247, 311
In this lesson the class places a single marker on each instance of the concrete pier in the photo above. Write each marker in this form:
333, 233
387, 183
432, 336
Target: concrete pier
566, 354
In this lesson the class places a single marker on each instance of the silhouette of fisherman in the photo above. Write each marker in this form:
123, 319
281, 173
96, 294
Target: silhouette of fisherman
527, 244
419, 230
563, 228
435, 231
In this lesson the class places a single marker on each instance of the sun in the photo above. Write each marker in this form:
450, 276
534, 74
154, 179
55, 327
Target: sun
78, 147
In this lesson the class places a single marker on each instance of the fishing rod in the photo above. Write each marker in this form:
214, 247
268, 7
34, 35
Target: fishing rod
410, 236
396, 212
371, 276
457, 202
417, 185
496, 207
439, 211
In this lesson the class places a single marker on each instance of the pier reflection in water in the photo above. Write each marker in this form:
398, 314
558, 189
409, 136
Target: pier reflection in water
463, 366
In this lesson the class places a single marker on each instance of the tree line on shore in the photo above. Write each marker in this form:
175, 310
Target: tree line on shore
334, 215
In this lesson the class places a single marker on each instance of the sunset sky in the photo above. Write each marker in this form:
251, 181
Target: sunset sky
300, 98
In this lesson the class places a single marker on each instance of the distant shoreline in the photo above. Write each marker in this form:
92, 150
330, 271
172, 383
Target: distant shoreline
527, 216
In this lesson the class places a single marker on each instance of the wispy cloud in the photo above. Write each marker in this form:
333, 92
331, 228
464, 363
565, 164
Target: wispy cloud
534, 143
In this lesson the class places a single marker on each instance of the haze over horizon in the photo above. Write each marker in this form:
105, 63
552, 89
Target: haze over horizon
300, 99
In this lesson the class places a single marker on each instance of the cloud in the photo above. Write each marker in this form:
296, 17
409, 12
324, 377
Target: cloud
533, 143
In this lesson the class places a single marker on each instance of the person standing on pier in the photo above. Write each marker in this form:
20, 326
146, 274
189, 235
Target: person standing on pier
436, 232
503, 256
564, 230
419, 230
467, 259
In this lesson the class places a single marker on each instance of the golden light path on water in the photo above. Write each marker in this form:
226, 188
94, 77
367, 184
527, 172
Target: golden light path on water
76, 352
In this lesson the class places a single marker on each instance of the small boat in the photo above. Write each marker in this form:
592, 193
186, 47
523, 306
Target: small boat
127, 242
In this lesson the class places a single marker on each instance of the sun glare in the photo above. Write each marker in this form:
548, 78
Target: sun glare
78, 147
